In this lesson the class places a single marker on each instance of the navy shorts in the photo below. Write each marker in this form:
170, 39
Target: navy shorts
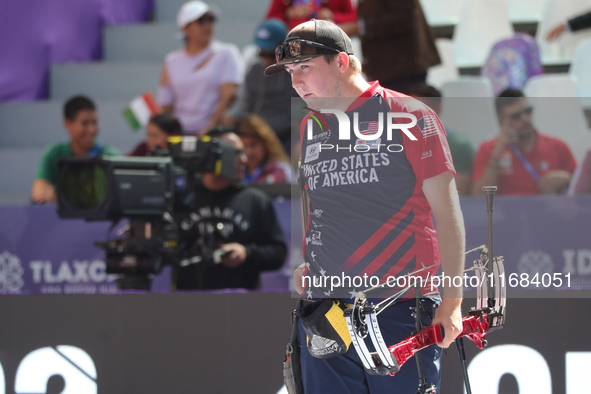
345, 374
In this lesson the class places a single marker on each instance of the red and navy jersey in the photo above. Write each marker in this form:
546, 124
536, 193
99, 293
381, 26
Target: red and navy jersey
368, 214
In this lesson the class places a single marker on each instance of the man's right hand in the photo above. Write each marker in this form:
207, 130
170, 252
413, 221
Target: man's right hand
297, 278
507, 136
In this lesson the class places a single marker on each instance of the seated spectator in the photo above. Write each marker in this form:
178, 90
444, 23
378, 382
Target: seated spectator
81, 122
268, 97
159, 128
581, 182
575, 24
520, 160
294, 12
199, 82
266, 161
462, 150
251, 241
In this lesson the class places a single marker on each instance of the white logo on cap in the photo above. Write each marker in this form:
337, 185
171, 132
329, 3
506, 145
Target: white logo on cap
263, 34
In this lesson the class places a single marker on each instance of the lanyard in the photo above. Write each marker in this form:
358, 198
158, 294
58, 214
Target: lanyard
528, 166
94, 152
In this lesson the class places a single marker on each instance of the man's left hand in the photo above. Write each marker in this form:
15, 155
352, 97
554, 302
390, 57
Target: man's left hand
449, 315
554, 182
235, 254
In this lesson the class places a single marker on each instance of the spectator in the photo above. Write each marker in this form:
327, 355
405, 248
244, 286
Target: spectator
159, 128
581, 182
268, 97
520, 160
462, 150
294, 12
575, 24
398, 45
252, 242
199, 82
81, 122
266, 161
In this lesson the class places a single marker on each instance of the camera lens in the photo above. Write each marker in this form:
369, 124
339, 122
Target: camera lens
85, 186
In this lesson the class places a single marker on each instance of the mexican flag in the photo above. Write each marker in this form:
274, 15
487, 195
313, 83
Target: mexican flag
140, 110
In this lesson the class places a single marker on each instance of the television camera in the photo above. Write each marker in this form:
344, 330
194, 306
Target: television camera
157, 195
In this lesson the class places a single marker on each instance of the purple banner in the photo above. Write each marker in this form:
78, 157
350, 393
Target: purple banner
37, 33
43, 254
542, 239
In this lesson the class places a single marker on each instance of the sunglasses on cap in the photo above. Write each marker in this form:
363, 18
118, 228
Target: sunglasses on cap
517, 115
206, 18
293, 48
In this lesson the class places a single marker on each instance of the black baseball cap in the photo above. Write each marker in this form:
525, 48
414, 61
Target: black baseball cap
314, 38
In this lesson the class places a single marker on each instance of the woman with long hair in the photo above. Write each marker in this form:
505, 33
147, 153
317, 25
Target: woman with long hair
266, 160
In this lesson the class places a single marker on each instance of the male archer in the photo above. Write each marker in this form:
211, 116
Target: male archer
371, 207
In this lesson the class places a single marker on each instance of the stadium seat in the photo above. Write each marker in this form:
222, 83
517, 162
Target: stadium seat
21, 130
482, 24
557, 110
249, 10
442, 13
557, 12
236, 30
103, 80
468, 86
152, 41
551, 85
15, 185
468, 108
141, 42
525, 10
580, 68
447, 70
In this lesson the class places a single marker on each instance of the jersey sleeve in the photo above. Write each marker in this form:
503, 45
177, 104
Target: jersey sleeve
429, 155
47, 169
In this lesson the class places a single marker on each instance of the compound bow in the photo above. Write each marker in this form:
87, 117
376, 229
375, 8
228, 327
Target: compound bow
487, 316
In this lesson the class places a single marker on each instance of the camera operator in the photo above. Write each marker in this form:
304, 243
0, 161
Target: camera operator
242, 223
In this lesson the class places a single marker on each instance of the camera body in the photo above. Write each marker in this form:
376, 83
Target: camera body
157, 195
